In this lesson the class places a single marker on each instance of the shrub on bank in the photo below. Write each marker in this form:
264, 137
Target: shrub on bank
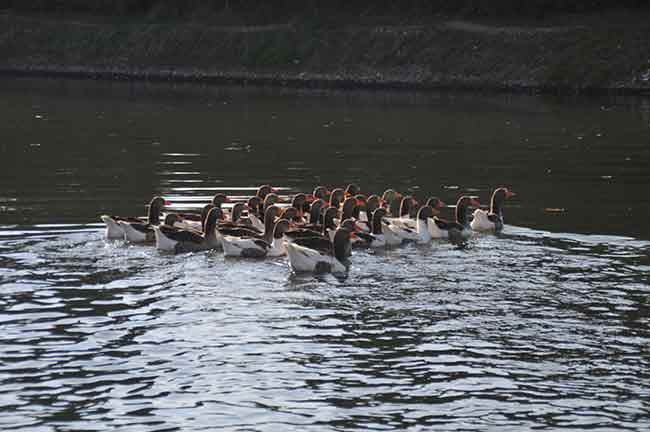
287, 8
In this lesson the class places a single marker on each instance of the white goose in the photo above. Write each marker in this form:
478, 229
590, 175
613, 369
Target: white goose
142, 232
492, 220
321, 255
178, 240
421, 232
115, 228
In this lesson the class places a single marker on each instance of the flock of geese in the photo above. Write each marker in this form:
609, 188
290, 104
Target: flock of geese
316, 231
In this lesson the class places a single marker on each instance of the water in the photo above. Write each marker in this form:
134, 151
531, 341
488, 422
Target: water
545, 326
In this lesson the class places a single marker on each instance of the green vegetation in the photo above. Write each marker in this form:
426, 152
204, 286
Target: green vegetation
276, 9
338, 45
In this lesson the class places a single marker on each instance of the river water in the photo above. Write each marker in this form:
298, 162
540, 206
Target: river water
546, 326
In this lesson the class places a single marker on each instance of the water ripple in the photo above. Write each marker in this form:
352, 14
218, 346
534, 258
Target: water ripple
527, 329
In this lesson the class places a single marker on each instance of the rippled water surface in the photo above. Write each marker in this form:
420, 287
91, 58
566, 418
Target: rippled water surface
544, 326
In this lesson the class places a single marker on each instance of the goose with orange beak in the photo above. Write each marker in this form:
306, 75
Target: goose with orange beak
459, 230
421, 233
115, 224
195, 221
407, 206
249, 245
392, 200
140, 231
323, 257
492, 220
178, 240
257, 219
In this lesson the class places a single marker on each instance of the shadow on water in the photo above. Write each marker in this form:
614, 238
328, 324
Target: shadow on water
543, 326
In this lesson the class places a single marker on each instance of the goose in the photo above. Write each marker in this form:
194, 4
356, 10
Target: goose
405, 220
336, 197
177, 240
195, 221
365, 217
315, 230
375, 238
322, 257
459, 230
421, 233
392, 200
115, 231
299, 202
315, 211
142, 232
257, 219
241, 241
253, 247
351, 190
437, 204
492, 220
328, 236
321, 192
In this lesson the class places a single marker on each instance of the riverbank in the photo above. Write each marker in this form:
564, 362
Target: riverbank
564, 54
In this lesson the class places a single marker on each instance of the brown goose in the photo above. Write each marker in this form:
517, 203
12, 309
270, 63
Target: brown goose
115, 230
177, 240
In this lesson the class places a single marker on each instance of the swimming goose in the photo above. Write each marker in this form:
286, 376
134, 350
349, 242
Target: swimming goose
351, 190
365, 214
328, 236
336, 197
195, 221
392, 200
405, 209
242, 241
375, 238
254, 247
492, 220
299, 202
437, 205
177, 240
324, 257
315, 211
257, 218
115, 231
142, 232
421, 233
459, 230
315, 229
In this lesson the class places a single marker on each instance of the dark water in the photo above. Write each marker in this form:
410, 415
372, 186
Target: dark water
546, 326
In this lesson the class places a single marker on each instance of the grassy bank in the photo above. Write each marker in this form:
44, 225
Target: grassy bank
567, 53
